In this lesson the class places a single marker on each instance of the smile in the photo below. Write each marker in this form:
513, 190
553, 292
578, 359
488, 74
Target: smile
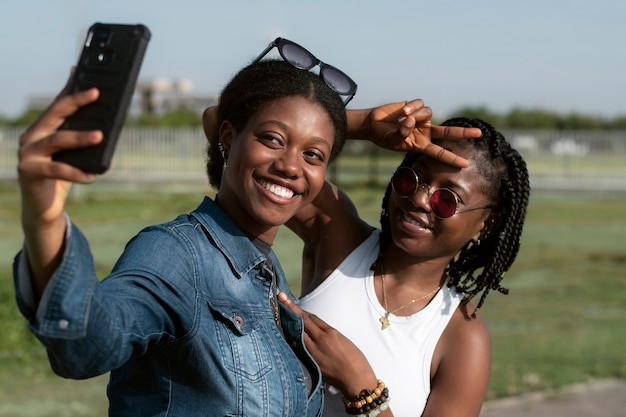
413, 221
278, 190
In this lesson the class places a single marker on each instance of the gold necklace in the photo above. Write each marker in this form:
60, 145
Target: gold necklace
384, 320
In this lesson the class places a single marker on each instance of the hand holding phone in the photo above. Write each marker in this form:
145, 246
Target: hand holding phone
110, 61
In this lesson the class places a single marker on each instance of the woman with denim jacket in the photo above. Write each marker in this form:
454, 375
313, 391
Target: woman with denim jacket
187, 323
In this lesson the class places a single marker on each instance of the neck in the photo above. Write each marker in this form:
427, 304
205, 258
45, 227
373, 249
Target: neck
415, 272
252, 228
399, 297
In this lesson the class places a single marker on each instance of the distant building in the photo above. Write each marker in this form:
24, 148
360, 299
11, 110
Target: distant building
161, 95
157, 96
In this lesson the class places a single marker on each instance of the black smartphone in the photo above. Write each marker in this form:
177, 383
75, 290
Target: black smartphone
110, 60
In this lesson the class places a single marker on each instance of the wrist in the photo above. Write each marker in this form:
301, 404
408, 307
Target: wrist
369, 402
358, 126
359, 379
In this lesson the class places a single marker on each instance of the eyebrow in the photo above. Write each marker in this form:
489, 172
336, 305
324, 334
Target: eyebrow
453, 184
318, 139
323, 140
449, 183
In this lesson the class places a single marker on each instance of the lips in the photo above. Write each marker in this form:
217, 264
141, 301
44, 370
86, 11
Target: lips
276, 189
417, 222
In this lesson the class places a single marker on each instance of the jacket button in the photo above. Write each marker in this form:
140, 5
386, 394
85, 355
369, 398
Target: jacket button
238, 320
63, 324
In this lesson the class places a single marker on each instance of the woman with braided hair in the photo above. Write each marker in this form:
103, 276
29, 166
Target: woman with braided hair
393, 307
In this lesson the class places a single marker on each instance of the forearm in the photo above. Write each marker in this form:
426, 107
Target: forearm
358, 127
44, 226
44, 243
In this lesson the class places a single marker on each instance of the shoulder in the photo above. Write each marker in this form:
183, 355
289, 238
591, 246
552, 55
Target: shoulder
464, 332
465, 343
462, 355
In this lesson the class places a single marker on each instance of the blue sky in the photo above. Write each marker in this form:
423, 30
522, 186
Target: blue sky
559, 55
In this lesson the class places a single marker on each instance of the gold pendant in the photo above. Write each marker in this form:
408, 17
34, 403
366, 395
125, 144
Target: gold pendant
384, 321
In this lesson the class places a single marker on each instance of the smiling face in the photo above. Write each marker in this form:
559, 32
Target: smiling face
276, 164
418, 232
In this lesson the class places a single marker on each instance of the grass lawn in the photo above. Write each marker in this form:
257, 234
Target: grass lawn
562, 323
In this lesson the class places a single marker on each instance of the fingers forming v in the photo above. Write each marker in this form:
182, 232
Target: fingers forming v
454, 132
445, 156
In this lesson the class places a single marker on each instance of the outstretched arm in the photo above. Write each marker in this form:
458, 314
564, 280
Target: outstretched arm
44, 183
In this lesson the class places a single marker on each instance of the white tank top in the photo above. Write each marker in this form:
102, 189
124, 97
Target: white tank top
400, 355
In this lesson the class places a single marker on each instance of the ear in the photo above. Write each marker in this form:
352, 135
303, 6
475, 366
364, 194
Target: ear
227, 134
491, 224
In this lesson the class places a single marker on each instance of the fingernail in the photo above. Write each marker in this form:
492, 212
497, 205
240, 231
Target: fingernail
89, 177
94, 136
92, 92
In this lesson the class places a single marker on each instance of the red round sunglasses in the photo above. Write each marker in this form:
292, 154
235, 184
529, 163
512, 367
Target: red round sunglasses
443, 202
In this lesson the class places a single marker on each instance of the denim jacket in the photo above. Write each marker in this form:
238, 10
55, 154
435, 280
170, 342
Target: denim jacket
183, 324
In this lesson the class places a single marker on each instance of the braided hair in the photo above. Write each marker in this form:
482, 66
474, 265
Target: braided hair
480, 265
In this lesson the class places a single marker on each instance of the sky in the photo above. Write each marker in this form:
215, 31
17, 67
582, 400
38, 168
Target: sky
556, 55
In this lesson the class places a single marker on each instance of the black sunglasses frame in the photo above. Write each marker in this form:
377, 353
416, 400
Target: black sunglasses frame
280, 44
430, 193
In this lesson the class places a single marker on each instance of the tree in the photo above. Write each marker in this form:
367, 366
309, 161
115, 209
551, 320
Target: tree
480, 112
532, 119
618, 123
25, 119
180, 117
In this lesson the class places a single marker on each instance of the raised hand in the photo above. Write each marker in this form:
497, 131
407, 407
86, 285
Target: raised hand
44, 183
406, 126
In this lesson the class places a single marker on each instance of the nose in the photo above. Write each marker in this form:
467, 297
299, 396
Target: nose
421, 199
288, 165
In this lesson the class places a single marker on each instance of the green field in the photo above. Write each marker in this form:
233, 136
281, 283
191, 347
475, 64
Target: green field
562, 323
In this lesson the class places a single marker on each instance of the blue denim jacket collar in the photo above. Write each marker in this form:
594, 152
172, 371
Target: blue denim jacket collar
228, 237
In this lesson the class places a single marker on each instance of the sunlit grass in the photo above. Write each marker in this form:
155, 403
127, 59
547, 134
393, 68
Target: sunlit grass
562, 322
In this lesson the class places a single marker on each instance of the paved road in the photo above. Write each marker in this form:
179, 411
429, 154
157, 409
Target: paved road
606, 398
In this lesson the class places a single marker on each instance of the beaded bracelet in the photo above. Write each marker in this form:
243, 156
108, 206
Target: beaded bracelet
368, 403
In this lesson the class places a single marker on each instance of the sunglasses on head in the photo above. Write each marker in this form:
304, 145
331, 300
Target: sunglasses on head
443, 202
300, 58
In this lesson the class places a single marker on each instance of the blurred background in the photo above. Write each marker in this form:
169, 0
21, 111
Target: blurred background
548, 74
561, 56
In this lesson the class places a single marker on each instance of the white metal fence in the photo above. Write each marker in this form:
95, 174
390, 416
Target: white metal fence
583, 160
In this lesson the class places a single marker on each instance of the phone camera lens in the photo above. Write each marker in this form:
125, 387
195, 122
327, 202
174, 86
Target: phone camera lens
99, 38
105, 57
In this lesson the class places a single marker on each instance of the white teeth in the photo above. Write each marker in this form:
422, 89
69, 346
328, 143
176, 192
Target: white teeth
277, 189
413, 221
